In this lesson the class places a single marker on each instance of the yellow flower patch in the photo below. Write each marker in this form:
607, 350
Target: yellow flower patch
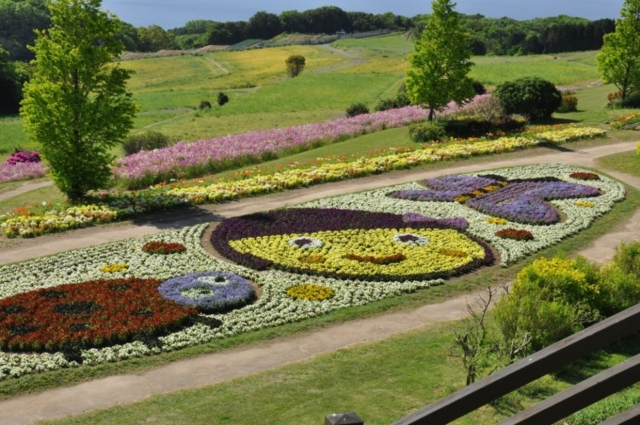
114, 268
310, 292
338, 246
584, 204
496, 220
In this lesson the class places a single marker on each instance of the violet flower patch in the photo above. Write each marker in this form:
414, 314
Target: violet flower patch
212, 292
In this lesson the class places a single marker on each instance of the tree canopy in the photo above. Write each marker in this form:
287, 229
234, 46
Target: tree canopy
76, 106
440, 61
619, 60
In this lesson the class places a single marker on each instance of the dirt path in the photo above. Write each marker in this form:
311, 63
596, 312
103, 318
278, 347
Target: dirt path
24, 188
220, 367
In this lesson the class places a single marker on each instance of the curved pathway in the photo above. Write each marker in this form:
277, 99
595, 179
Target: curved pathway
231, 364
24, 188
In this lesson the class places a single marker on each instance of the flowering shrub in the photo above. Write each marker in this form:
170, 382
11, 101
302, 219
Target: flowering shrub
162, 247
515, 234
310, 292
212, 292
87, 314
23, 157
22, 171
351, 244
581, 175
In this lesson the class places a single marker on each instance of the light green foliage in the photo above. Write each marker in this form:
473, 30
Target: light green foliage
154, 38
76, 105
619, 60
551, 299
441, 61
427, 132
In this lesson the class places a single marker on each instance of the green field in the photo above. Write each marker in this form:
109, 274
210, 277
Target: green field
169, 90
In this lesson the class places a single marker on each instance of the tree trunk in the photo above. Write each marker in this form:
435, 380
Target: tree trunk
432, 113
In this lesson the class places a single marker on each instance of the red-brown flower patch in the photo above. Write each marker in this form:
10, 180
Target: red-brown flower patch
515, 234
582, 175
88, 314
161, 247
389, 259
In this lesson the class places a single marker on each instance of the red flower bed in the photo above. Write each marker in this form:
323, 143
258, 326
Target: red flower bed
581, 175
395, 258
518, 235
160, 247
88, 314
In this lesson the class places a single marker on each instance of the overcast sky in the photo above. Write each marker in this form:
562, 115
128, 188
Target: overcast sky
175, 13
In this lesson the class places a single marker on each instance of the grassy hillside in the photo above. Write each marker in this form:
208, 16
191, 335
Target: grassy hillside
170, 89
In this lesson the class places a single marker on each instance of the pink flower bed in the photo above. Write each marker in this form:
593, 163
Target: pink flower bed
21, 171
190, 159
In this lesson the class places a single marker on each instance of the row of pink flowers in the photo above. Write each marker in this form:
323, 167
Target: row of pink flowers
185, 160
22, 171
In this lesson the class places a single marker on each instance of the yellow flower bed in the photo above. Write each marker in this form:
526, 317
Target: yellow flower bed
114, 268
310, 292
71, 218
333, 256
324, 173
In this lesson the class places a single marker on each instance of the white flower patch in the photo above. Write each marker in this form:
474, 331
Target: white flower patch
577, 218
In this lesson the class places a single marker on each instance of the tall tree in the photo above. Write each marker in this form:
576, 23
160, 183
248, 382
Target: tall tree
441, 61
619, 60
76, 105
264, 25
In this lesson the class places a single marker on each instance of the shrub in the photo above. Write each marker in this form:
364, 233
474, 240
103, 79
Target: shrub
551, 299
222, 98
569, 104
147, 141
478, 87
428, 131
627, 258
618, 290
470, 127
614, 99
357, 109
385, 104
295, 64
204, 104
631, 101
22, 156
531, 96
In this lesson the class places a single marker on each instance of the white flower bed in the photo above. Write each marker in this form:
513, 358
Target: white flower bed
275, 307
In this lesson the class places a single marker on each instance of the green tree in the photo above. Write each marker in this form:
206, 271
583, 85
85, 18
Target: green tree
295, 65
441, 61
76, 105
154, 38
619, 60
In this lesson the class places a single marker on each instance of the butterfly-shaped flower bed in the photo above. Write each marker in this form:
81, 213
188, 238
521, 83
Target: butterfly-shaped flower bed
348, 244
518, 200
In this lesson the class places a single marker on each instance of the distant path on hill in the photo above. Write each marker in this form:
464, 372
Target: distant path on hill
222, 68
24, 188
356, 60
231, 364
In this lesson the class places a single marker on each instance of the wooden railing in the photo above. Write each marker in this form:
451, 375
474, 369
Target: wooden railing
541, 363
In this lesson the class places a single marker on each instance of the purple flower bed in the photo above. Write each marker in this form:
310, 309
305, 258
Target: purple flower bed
522, 201
459, 223
525, 202
189, 159
212, 292
21, 171
309, 220
446, 188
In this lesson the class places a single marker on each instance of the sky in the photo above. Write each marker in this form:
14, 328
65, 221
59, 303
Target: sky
175, 13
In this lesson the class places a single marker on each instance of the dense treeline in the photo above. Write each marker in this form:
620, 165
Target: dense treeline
503, 36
